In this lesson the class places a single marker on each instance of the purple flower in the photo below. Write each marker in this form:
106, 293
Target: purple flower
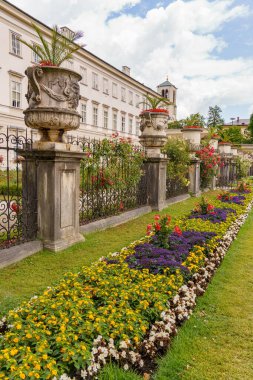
237, 199
156, 259
217, 216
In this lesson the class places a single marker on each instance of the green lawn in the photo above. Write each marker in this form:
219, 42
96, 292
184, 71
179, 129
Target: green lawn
22, 280
217, 341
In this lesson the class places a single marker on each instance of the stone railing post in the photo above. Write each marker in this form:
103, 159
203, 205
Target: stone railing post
192, 134
194, 176
153, 138
53, 96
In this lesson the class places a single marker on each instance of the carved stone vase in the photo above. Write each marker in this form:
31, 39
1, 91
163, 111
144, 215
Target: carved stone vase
53, 96
153, 127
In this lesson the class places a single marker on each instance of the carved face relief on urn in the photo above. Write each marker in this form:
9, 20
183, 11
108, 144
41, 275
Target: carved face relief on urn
53, 96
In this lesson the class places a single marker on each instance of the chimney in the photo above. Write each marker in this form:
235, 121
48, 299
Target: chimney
66, 32
126, 70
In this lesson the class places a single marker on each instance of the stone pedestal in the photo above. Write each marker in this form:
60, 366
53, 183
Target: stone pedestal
213, 183
155, 170
58, 181
194, 177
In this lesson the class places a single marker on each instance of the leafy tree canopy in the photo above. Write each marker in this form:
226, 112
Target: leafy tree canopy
214, 118
251, 125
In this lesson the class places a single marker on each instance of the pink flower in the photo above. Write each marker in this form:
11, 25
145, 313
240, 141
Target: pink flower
157, 217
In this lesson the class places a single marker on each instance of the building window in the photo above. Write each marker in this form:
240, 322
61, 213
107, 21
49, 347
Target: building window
83, 113
15, 44
114, 90
114, 121
35, 57
123, 94
130, 125
123, 123
130, 96
94, 81
95, 115
106, 119
137, 128
137, 99
105, 86
15, 94
83, 72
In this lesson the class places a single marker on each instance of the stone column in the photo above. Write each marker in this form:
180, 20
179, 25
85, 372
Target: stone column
194, 177
58, 195
155, 171
153, 138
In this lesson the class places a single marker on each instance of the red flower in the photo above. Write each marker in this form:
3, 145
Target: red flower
149, 228
177, 230
157, 227
121, 206
168, 218
162, 110
210, 207
157, 217
15, 207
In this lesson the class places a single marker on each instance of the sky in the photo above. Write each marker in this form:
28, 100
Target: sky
205, 47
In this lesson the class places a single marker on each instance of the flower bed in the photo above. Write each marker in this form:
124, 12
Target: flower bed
120, 308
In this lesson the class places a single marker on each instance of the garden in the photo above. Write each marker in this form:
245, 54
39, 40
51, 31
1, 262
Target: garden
126, 307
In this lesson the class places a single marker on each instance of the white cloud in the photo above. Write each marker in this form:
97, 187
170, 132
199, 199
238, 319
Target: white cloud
178, 39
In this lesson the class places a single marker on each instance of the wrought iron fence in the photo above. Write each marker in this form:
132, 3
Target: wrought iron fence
18, 207
175, 187
228, 175
112, 179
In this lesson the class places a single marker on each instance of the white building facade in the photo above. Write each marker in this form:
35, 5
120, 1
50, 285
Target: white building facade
110, 98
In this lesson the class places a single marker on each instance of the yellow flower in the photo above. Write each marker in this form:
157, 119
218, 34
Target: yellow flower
22, 375
13, 352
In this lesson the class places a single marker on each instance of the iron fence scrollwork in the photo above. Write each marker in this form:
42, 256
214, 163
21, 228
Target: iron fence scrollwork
111, 179
18, 200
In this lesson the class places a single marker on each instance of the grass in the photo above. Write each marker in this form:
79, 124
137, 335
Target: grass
30, 276
216, 343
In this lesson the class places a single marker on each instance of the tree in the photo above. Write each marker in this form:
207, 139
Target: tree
215, 119
250, 127
194, 119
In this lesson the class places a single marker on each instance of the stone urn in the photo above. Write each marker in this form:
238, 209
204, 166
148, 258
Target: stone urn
153, 126
214, 143
224, 148
193, 135
53, 97
234, 150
